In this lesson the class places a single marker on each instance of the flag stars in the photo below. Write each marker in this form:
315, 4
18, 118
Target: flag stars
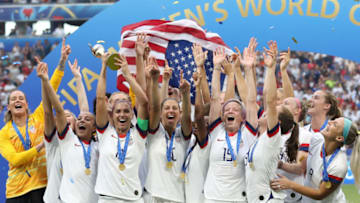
208, 63
189, 56
176, 61
187, 49
182, 58
179, 52
188, 72
178, 68
192, 63
173, 54
186, 65
176, 45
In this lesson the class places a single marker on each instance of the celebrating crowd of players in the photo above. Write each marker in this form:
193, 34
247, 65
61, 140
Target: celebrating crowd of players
148, 149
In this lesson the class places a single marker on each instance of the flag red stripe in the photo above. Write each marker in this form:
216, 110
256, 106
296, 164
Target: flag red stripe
132, 61
153, 47
192, 31
143, 23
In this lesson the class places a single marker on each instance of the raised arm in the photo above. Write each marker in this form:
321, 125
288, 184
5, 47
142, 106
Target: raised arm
185, 106
215, 104
49, 122
155, 105
286, 82
140, 46
200, 58
270, 62
230, 84
165, 82
55, 102
199, 109
81, 93
101, 105
240, 81
140, 95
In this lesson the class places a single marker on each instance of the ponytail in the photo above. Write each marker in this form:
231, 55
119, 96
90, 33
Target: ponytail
292, 144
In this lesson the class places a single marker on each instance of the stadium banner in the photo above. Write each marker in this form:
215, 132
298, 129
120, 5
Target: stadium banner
34, 12
325, 26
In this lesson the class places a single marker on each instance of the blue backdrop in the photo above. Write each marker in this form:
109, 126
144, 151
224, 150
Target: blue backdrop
325, 26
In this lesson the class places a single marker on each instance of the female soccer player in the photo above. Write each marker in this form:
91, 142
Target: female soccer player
21, 143
326, 166
121, 146
79, 153
228, 139
167, 143
263, 156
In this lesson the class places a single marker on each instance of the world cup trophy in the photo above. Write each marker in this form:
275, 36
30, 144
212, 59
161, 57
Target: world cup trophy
98, 51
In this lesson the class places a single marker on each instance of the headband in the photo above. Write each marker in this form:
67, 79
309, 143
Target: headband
347, 126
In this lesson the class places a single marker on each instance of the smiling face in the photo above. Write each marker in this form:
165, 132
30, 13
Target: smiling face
317, 103
170, 113
121, 116
291, 104
231, 116
85, 125
17, 103
334, 130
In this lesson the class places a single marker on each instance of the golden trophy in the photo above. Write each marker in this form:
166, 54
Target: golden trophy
98, 50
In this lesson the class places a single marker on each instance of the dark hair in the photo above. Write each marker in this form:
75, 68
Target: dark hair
303, 111
334, 112
287, 123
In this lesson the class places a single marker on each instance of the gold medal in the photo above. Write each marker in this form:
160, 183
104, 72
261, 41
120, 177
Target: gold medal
327, 184
61, 171
169, 165
122, 167
301, 158
182, 176
251, 164
235, 163
87, 171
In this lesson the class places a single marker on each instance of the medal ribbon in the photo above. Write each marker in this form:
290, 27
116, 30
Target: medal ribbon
252, 152
87, 154
122, 152
187, 158
169, 147
325, 174
26, 142
233, 157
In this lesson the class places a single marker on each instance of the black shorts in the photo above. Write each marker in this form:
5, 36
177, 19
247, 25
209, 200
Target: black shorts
35, 196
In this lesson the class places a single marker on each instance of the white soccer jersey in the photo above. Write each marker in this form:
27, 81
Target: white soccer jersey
195, 173
111, 181
304, 141
162, 182
336, 170
265, 160
224, 181
53, 169
76, 186
315, 132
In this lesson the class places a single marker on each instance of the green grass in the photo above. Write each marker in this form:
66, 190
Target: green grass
351, 193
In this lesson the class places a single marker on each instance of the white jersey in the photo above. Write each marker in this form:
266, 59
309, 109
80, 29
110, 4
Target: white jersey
304, 141
315, 132
336, 170
111, 181
162, 182
265, 160
76, 186
224, 181
195, 173
53, 169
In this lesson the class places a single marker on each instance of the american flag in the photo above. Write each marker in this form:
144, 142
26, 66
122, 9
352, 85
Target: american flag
171, 41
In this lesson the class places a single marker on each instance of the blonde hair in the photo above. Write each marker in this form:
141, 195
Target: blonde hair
353, 138
8, 115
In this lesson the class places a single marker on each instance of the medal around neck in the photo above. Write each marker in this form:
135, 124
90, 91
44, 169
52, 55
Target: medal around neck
169, 165
98, 51
87, 171
122, 167
328, 185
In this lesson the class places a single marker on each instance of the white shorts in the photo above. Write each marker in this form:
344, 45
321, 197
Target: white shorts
150, 199
219, 201
107, 199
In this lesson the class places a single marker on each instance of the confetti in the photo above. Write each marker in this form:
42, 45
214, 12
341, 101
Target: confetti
100, 41
293, 39
175, 2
